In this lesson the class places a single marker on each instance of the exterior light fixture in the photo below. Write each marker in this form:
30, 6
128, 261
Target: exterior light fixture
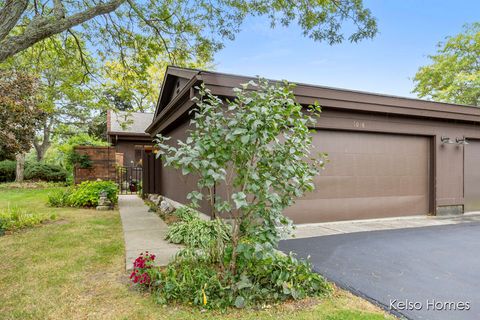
445, 139
462, 140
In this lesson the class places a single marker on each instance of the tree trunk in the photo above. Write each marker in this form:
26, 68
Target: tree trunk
41, 148
42, 27
20, 167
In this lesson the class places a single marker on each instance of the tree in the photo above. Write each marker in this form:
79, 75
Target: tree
19, 115
64, 86
454, 74
258, 148
190, 27
134, 82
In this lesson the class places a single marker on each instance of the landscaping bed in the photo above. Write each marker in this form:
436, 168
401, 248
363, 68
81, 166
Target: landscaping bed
75, 269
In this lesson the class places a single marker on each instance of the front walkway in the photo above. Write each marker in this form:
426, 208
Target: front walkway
143, 231
341, 227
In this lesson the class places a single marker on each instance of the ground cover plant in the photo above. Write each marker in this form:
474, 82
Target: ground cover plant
13, 219
258, 147
50, 274
85, 194
197, 233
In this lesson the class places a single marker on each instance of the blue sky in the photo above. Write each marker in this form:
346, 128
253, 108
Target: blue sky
408, 31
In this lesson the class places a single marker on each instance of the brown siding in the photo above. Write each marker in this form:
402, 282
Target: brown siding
173, 184
127, 148
452, 172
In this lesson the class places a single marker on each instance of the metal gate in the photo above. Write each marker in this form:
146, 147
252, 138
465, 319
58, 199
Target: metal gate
129, 180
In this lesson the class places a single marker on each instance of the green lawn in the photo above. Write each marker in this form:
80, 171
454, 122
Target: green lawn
73, 268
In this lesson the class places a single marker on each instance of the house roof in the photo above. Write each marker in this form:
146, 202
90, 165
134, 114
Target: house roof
175, 100
128, 123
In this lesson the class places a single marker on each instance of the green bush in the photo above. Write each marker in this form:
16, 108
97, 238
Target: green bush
264, 276
185, 213
7, 170
195, 232
12, 219
87, 193
59, 198
45, 172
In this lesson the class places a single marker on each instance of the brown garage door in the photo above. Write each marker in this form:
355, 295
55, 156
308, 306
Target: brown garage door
472, 176
369, 175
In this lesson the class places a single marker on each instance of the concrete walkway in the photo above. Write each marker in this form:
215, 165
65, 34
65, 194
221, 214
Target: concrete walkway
143, 231
342, 227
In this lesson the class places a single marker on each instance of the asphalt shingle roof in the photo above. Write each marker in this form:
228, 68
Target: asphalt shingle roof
129, 122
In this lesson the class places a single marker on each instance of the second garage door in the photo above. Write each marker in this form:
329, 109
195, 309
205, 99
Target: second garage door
472, 176
369, 175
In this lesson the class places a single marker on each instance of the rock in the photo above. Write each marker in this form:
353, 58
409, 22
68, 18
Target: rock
158, 200
103, 202
166, 207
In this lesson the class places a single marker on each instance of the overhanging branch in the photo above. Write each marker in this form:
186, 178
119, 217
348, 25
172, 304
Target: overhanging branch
45, 27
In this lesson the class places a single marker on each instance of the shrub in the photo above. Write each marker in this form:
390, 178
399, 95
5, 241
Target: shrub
12, 219
185, 213
198, 233
7, 170
45, 172
275, 276
59, 198
236, 143
266, 276
82, 160
87, 193
258, 146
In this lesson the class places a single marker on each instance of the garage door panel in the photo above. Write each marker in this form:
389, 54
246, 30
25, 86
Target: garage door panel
355, 208
368, 176
472, 176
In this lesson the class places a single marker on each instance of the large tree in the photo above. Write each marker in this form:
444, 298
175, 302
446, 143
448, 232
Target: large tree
19, 115
64, 82
190, 27
454, 74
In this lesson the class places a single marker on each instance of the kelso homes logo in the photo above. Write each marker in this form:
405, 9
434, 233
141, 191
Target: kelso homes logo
431, 305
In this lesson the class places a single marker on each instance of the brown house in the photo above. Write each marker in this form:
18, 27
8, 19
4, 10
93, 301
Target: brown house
126, 132
389, 156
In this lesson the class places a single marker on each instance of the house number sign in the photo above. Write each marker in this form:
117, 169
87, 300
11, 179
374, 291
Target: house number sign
358, 124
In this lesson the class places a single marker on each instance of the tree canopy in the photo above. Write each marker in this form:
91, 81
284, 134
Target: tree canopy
184, 28
454, 74
19, 113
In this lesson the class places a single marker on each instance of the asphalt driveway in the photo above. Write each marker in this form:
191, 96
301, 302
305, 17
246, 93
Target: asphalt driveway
418, 273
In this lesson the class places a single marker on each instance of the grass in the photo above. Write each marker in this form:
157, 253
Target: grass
73, 268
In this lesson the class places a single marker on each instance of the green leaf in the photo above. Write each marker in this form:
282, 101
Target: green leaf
240, 302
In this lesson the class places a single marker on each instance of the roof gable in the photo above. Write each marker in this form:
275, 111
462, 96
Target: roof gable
175, 80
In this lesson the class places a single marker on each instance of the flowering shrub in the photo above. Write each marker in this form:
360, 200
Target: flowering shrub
141, 266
